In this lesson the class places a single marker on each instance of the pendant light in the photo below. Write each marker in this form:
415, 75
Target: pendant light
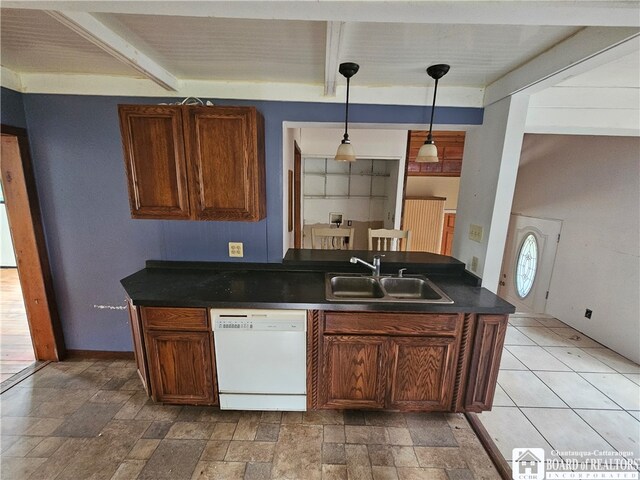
345, 151
429, 152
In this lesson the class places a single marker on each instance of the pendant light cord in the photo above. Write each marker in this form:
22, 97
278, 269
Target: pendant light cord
346, 114
433, 110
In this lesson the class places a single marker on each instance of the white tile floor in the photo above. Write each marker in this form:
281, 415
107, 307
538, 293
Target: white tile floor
560, 390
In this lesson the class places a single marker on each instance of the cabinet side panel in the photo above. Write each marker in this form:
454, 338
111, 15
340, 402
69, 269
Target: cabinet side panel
138, 345
154, 157
487, 351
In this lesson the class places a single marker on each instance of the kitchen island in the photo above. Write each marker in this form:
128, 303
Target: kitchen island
359, 354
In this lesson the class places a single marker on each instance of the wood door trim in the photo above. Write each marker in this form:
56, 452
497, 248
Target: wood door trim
25, 220
297, 197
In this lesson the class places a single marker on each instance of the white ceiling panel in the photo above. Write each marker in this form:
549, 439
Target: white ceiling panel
624, 72
398, 54
234, 49
32, 41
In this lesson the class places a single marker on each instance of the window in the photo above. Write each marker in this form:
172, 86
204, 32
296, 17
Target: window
527, 265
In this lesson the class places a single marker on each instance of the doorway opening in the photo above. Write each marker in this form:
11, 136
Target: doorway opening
31, 280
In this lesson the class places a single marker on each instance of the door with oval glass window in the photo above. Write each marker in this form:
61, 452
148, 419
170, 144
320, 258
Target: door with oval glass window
527, 265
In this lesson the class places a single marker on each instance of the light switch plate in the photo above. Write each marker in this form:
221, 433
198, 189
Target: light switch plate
474, 264
475, 233
235, 249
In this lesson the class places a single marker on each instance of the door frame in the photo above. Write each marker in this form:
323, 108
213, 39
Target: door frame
297, 195
25, 224
545, 262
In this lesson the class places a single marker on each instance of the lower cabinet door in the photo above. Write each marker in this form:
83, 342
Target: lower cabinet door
181, 367
422, 373
353, 375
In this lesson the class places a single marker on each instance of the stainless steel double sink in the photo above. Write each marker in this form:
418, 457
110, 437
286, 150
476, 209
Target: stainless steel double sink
367, 288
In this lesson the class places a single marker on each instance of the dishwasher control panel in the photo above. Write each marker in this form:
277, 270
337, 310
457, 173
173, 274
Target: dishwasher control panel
259, 320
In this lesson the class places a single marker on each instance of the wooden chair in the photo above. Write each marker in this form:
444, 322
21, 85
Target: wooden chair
332, 238
389, 240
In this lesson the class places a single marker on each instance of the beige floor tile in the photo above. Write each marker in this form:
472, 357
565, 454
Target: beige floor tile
408, 473
634, 377
47, 447
544, 337
536, 358
527, 390
191, 430
380, 455
575, 391
223, 431
516, 337
440, 457
128, 470
615, 361
291, 417
617, 387
247, 426
45, 427
524, 322
215, 450
111, 396
219, 471
565, 430
509, 428
323, 417
143, 449
334, 434
404, 456
384, 473
298, 453
399, 436
22, 447
550, 322
616, 428
18, 468
334, 472
509, 362
578, 360
501, 399
246, 451
575, 337
365, 434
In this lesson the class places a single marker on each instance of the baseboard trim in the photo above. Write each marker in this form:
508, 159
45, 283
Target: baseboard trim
99, 354
491, 448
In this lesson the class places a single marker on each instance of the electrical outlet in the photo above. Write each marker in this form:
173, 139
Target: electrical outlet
349, 223
475, 233
235, 249
474, 264
588, 313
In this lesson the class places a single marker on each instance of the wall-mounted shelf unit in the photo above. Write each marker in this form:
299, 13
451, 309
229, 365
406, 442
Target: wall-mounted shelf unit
324, 178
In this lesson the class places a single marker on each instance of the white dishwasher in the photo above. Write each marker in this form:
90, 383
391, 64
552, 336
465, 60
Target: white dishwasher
261, 358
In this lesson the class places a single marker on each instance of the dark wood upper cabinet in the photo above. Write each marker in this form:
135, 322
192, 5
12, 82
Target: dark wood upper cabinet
193, 162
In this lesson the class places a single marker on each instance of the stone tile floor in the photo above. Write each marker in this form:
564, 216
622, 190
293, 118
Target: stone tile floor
91, 419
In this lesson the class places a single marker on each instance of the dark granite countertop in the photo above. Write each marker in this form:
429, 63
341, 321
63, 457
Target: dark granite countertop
297, 283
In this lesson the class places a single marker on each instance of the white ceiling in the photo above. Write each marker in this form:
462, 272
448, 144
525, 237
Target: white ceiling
290, 50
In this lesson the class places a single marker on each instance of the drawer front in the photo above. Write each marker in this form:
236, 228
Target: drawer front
370, 323
178, 319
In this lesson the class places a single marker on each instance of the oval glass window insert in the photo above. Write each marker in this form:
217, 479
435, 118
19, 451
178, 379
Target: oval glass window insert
527, 265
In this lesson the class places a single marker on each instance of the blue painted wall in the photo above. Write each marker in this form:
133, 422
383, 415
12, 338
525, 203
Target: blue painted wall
12, 108
92, 240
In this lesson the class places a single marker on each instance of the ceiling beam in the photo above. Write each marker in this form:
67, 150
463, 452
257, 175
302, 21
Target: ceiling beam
93, 30
332, 56
589, 48
523, 12
10, 79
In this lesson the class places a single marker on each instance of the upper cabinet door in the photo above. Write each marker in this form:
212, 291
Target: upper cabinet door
225, 148
152, 137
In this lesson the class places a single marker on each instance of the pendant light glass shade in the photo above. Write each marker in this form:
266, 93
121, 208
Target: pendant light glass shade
345, 152
428, 153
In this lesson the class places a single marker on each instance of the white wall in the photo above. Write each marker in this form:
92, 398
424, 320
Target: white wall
7, 255
368, 143
592, 184
487, 182
446, 187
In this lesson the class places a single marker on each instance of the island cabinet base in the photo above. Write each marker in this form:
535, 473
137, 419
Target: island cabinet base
403, 361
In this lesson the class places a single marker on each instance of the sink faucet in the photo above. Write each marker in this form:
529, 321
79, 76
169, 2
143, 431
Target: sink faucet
376, 263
